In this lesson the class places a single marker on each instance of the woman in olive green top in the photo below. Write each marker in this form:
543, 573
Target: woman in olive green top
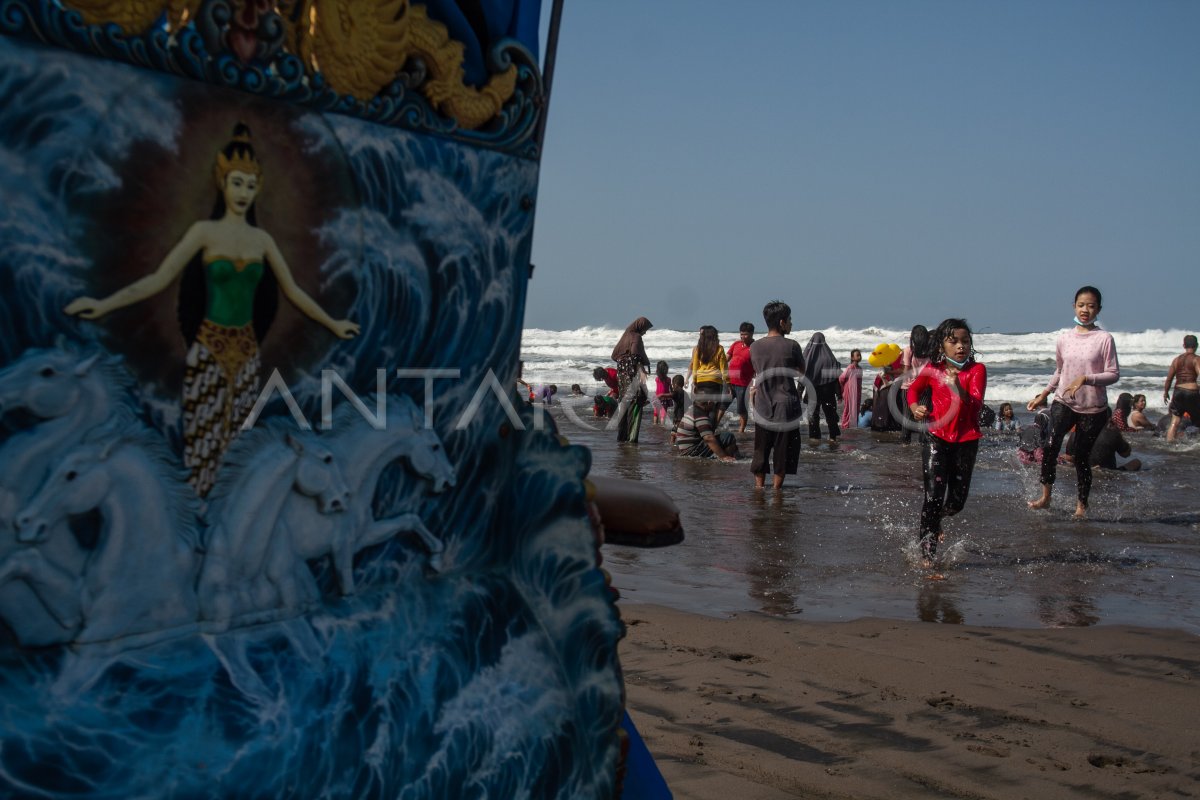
224, 262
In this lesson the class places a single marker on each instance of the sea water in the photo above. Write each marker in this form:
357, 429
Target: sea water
1019, 364
839, 541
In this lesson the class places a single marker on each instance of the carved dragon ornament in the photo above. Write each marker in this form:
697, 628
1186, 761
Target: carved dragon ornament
358, 46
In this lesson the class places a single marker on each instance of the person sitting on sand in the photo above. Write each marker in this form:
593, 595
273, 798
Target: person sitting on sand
1183, 373
1138, 421
694, 434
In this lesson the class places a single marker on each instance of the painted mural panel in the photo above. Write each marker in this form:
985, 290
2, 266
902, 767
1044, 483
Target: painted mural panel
268, 524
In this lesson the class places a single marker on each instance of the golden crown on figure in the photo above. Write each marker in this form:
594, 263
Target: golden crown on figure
242, 160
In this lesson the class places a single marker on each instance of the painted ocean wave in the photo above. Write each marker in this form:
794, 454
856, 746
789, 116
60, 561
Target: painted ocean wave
412, 687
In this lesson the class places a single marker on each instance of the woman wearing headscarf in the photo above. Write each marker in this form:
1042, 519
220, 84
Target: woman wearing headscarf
632, 368
823, 369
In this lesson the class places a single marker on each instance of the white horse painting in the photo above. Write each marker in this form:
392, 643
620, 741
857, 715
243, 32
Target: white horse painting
363, 452
139, 578
68, 395
243, 578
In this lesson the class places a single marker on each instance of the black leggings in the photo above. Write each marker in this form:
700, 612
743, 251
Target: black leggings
825, 397
948, 467
1087, 430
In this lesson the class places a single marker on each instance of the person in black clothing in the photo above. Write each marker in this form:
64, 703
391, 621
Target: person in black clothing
1109, 444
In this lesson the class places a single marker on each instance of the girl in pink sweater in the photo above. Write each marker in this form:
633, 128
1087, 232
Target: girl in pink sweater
1086, 360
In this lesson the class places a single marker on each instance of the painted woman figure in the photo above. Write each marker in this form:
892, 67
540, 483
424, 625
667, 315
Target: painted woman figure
227, 300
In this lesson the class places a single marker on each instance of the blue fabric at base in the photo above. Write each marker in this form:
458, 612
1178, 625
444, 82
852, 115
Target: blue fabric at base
643, 781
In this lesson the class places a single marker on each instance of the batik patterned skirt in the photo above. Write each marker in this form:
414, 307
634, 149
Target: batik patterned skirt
220, 385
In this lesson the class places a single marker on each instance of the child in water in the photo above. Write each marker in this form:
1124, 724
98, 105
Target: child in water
678, 400
662, 393
948, 452
1005, 421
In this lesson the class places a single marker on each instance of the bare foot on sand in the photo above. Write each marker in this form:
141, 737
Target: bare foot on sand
1043, 501
1080, 511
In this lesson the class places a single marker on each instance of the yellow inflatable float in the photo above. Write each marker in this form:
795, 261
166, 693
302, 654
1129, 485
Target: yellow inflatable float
884, 355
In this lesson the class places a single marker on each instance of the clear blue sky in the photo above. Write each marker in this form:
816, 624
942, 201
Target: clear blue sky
871, 163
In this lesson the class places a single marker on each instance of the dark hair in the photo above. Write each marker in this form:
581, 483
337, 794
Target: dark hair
661, 369
1090, 290
856, 350
575, 387
677, 382
746, 327
1137, 397
943, 332
599, 373
774, 312
193, 288
708, 343
1189, 341
922, 343
1124, 404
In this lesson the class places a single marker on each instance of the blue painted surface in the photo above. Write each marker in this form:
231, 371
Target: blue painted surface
487, 668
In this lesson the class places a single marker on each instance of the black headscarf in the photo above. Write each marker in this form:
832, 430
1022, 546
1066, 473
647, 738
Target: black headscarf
820, 365
630, 343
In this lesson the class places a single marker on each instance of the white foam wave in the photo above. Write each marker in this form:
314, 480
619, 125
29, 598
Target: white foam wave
1019, 364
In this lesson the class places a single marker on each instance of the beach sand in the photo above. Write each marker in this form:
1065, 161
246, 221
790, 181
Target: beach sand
755, 707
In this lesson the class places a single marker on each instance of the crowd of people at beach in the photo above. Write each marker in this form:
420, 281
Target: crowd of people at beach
934, 389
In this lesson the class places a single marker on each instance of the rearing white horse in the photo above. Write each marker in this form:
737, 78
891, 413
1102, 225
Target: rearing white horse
363, 452
140, 576
260, 473
69, 394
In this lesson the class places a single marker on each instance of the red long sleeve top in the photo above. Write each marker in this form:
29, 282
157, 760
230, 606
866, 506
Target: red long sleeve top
954, 416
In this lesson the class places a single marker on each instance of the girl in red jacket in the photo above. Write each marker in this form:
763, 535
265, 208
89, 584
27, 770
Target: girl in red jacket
958, 383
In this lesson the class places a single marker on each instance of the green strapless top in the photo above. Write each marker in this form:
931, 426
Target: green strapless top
231, 284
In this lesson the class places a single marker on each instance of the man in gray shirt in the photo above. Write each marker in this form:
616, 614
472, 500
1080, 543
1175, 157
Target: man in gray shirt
778, 413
